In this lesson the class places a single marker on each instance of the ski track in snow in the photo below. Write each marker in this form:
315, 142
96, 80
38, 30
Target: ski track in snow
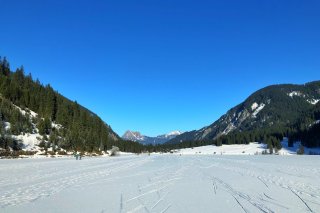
58, 180
164, 183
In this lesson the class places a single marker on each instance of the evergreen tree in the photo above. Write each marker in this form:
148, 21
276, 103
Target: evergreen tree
44, 126
300, 150
290, 142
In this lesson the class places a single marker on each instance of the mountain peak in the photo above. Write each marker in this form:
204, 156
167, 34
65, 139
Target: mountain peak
133, 135
176, 132
146, 140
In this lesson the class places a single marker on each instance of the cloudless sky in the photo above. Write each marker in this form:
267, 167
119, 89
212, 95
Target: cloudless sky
162, 65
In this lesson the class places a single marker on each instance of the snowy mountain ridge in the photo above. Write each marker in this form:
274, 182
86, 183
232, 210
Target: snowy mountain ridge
279, 105
171, 134
146, 140
133, 136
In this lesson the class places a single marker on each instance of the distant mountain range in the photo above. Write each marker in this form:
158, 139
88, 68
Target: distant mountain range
147, 140
277, 106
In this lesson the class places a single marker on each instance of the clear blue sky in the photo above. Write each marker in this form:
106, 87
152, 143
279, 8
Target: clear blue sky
162, 65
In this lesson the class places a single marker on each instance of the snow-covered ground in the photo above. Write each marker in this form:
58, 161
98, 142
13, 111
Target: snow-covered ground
30, 141
242, 149
250, 149
162, 183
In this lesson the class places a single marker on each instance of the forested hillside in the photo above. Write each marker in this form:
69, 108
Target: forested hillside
266, 116
307, 128
28, 107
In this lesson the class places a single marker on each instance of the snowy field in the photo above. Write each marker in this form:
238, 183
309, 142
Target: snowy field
162, 183
242, 149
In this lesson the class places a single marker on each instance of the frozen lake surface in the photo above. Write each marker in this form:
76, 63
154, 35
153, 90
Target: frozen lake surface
162, 183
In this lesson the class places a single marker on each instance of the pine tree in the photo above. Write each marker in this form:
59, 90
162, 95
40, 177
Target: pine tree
300, 150
290, 142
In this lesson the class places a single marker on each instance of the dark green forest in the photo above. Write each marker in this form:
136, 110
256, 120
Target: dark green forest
307, 128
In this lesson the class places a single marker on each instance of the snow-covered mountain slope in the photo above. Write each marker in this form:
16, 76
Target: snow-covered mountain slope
170, 135
146, 140
23, 133
278, 105
31, 141
133, 136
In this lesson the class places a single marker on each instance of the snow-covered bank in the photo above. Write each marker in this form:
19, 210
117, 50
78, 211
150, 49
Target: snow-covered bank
242, 149
162, 183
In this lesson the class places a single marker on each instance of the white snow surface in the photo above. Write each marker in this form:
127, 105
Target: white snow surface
254, 106
30, 141
31, 113
258, 109
313, 101
174, 133
7, 126
242, 149
55, 125
296, 93
162, 183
